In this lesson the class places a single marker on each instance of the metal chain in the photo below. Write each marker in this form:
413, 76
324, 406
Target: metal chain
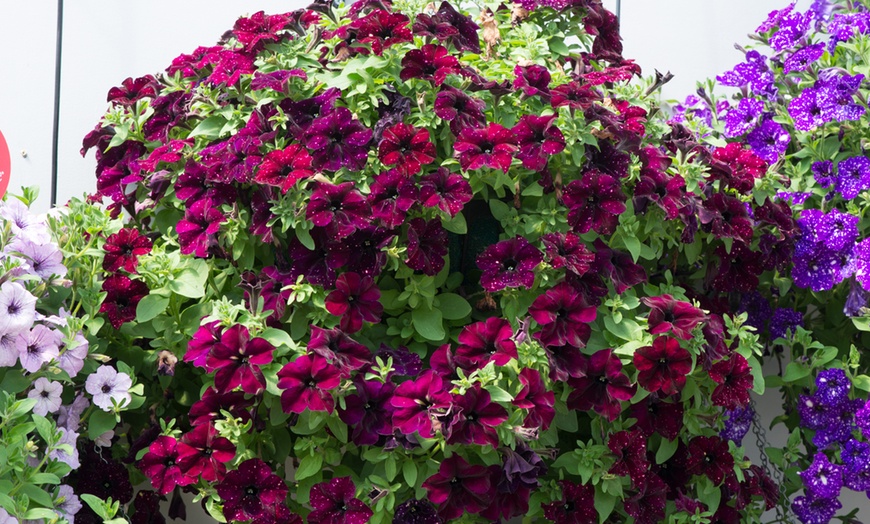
782, 508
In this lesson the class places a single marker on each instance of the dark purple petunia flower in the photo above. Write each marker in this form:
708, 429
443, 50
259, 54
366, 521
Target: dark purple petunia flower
476, 418
833, 386
656, 416
574, 95
568, 251
629, 447
618, 265
467, 37
335, 502
337, 140
601, 385
536, 398
445, 190
663, 366
415, 511
735, 380
667, 192
161, 467
391, 196
415, 401
122, 297
484, 342
576, 505
647, 506
814, 510
427, 246
363, 250
769, 140
319, 265
301, 113
565, 361
522, 467
822, 479
276, 80
356, 300
726, 216
564, 315
737, 424
509, 263
434, 27
237, 360
785, 320
710, 456
368, 411
340, 207
251, 490
594, 202
533, 80
668, 314
461, 110
407, 148
459, 488
382, 29
853, 176
538, 139
233, 160
492, 146
307, 382
823, 173
123, 250
431, 62
405, 362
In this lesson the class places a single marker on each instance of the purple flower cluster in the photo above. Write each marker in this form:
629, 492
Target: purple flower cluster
829, 99
823, 255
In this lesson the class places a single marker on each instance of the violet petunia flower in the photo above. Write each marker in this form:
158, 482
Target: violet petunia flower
815, 510
492, 146
783, 321
823, 479
237, 360
769, 140
42, 260
307, 382
801, 59
67, 503
38, 346
509, 263
742, 119
337, 140
369, 411
459, 487
737, 424
17, 308
601, 386
109, 387
853, 176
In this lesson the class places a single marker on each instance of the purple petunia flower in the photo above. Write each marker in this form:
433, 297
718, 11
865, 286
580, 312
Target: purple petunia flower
818, 269
71, 459
109, 387
792, 27
47, 395
337, 140
427, 246
853, 176
801, 59
822, 479
476, 419
823, 173
737, 424
459, 487
23, 223
335, 502
196, 232
340, 207
509, 263
445, 190
43, 260
840, 422
17, 308
844, 26
414, 400
251, 490
461, 110
601, 385
862, 263
769, 140
368, 411
754, 72
594, 202
742, 119
492, 146
67, 503
784, 320
37, 347
833, 386
415, 511
856, 458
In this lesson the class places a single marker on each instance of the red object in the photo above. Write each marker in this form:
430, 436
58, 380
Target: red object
5, 165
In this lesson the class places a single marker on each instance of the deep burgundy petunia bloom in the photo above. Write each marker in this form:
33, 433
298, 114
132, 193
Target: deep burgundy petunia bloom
735, 381
509, 263
476, 418
467, 37
568, 251
447, 191
382, 29
532, 80
335, 502
459, 488
601, 386
594, 202
356, 300
710, 456
461, 110
629, 447
369, 411
161, 467
202, 452
565, 361
536, 398
538, 139
197, 230
415, 399
337, 140
204, 340
258, 29
391, 195
647, 506
576, 506
564, 316
233, 160
663, 366
237, 360
307, 382
341, 208
209, 407
618, 265
667, 192
122, 297
132, 90
431, 62
726, 216
338, 349
668, 314
484, 342
407, 148
443, 363
492, 146
434, 27
363, 250
739, 269
415, 511
251, 490
656, 416
284, 167
574, 95
123, 250
427, 246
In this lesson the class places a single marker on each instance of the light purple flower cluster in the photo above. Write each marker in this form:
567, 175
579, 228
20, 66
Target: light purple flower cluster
835, 418
754, 73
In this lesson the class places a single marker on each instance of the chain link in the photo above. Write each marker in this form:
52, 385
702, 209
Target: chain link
782, 508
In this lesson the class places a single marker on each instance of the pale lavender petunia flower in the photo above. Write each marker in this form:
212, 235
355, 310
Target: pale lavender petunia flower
23, 223
71, 459
43, 260
104, 440
8, 350
38, 346
106, 385
69, 417
67, 503
6, 518
17, 308
47, 395
72, 357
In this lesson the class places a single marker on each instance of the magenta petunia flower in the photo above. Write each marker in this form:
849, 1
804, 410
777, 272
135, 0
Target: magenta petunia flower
601, 386
123, 250
594, 202
445, 190
710, 456
337, 140
538, 139
197, 230
335, 502
369, 411
575, 507
251, 490
338, 349
284, 167
161, 467
431, 62
564, 315
629, 447
233, 160
668, 314
735, 380
258, 29
407, 148
536, 398
206, 338
391, 195
476, 418
647, 505
574, 95
427, 246
568, 251
202, 452
459, 488
533, 80
307, 382
467, 37
663, 366
122, 297
667, 192
382, 29
237, 360
461, 110
340, 207
492, 146
356, 300
484, 342
414, 401
209, 407
509, 263
132, 90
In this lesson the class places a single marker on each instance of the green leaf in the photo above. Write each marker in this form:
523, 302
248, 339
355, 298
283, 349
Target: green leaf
189, 283
666, 450
795, 372
338, 428
632, 244
100, 422
390, 467
308, 466
456, 224
758, 383
557, 45
604, 504
861, 323
277, 337
151, 306
498, 394
44, 427
45, 478
499, 209
40, 514
409, 471
15, 382
453, 306
304, 237
428, 323
96, 504
861, 382
566, 421
209, 128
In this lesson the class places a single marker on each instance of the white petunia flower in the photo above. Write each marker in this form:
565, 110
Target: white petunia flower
106, 384
47, 395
